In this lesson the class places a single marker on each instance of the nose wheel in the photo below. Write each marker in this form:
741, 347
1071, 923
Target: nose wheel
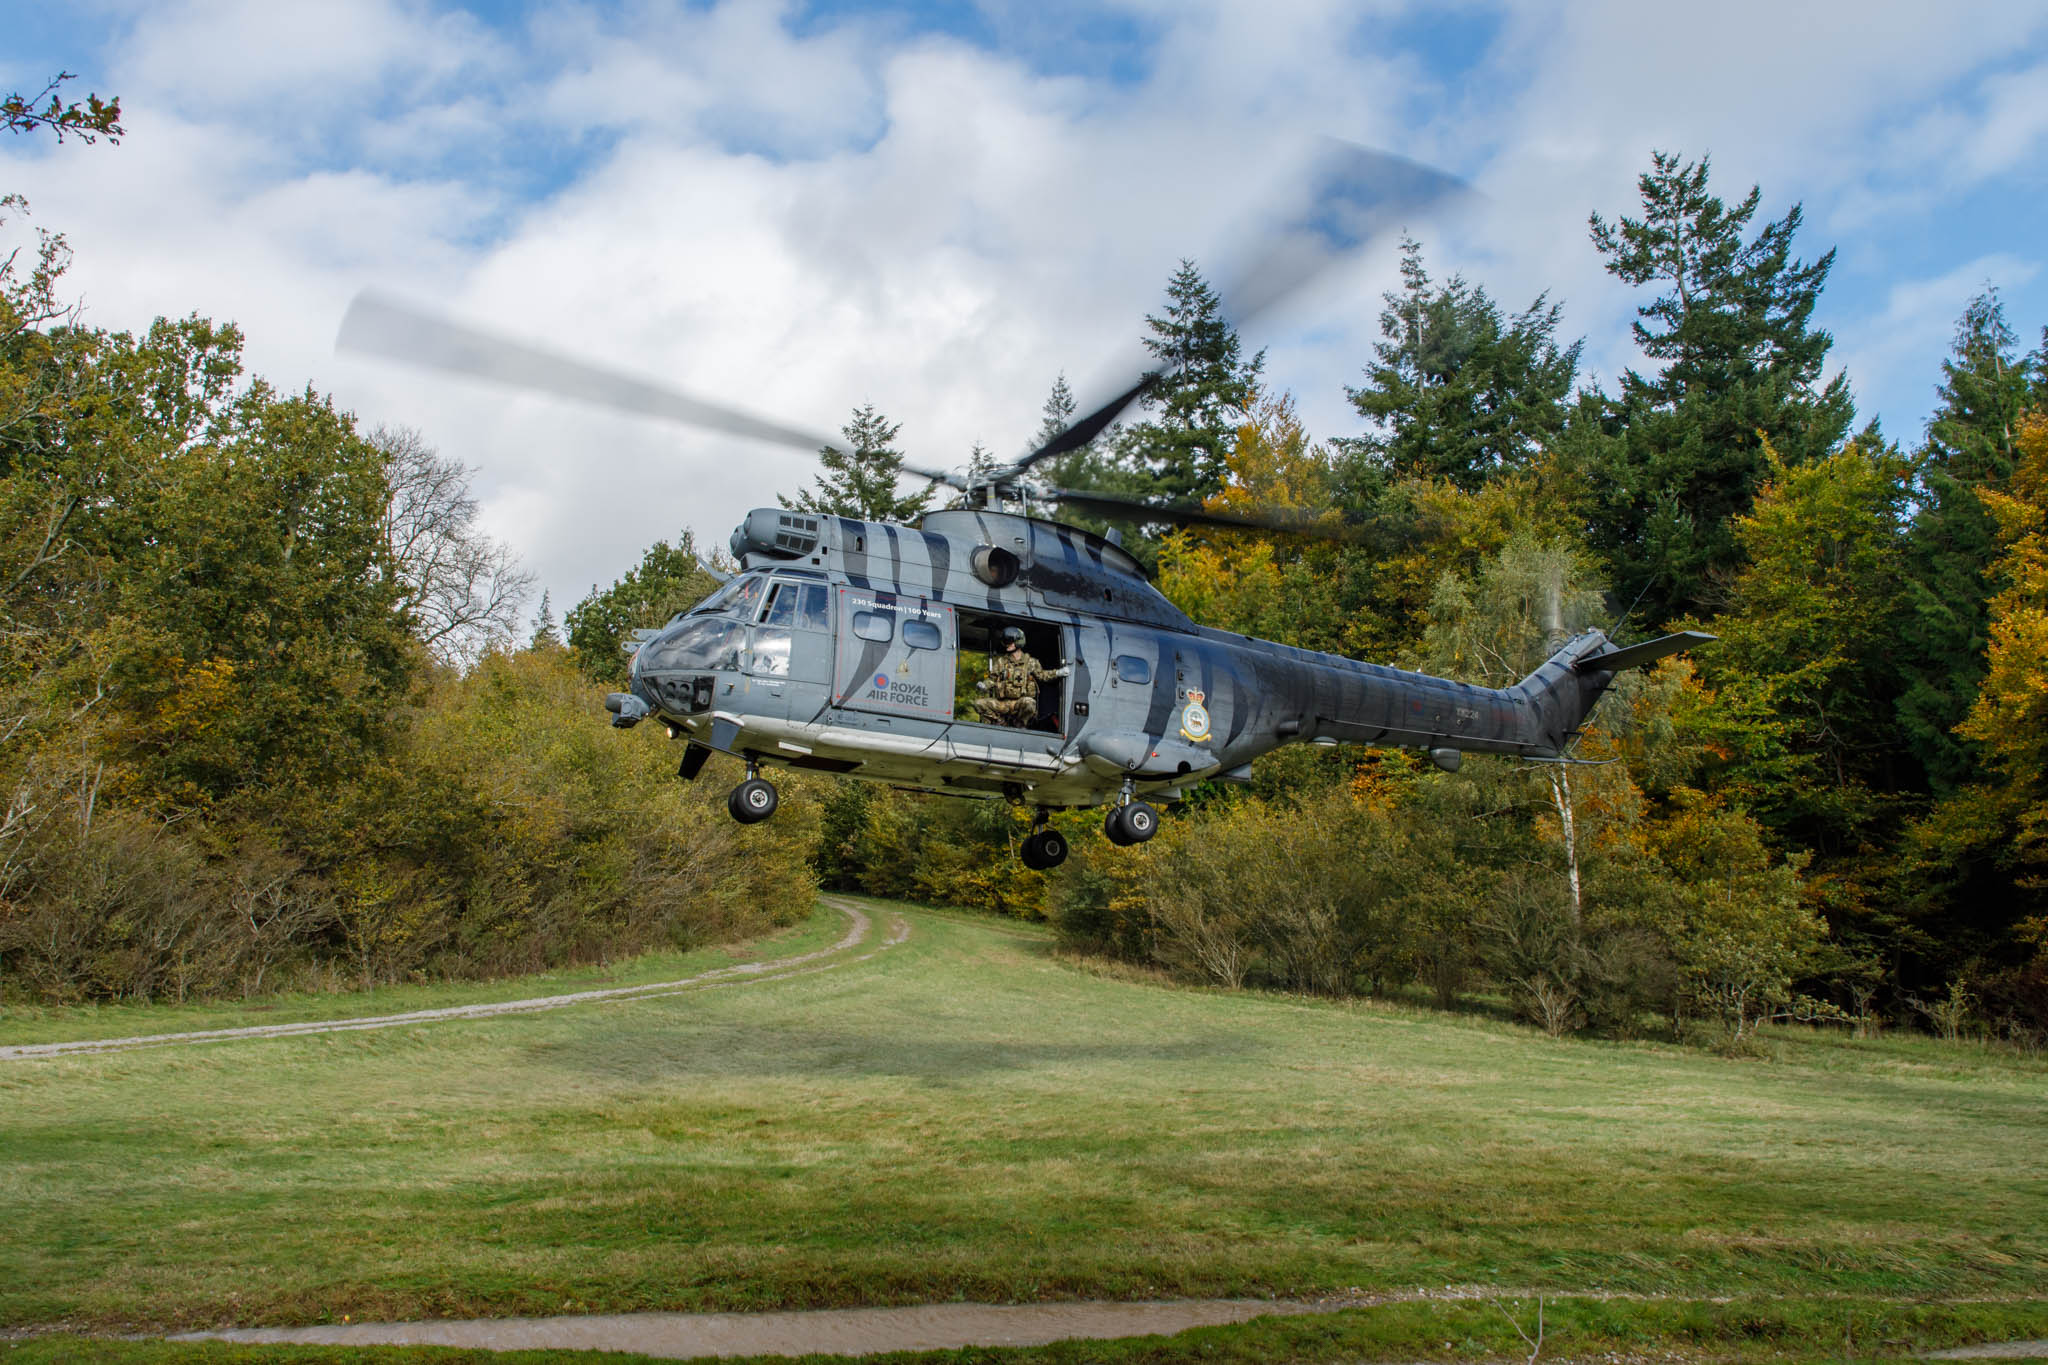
1132, 823
752, 801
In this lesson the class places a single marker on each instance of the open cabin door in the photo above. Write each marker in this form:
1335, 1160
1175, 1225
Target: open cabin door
895, 654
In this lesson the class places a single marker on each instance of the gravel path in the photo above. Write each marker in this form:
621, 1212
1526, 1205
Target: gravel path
848, 1331
859, 930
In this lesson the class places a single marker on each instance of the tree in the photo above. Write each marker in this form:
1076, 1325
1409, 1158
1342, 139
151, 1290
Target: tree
460, 590
1459, 392
1275, 586
1803, 675
2010, 714
199, 566
668, 579
1953, 540
1678, 455
860, 479
546, 635
981, 462
1058, 412
88, 122
1206, 391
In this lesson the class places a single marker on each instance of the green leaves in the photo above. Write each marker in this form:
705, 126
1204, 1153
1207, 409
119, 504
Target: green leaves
860, 480
1679, 454
1459, 392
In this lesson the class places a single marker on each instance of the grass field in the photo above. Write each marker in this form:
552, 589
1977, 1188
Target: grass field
22, 1022
967, 1116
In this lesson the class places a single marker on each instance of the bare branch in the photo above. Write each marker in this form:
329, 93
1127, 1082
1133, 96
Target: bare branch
461, 590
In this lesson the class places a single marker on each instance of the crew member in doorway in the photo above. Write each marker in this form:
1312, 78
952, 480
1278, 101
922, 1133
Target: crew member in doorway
1012, 683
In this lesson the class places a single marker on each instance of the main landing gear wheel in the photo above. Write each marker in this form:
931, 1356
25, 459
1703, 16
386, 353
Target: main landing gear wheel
752, 801
1132, 824
1044, 849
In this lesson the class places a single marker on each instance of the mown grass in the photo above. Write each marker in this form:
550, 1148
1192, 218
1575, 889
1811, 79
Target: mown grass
967, 1117
23, 1022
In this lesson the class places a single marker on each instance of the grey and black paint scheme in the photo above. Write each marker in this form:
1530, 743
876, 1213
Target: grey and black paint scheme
854, 670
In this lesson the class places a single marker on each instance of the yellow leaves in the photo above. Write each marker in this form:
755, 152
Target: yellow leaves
2010, 714
199, 699
1274, 465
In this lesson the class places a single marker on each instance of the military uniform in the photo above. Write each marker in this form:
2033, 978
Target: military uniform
1012, 689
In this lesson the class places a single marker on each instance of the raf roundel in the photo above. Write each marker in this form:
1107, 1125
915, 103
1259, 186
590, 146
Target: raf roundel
1194, 720
882, 681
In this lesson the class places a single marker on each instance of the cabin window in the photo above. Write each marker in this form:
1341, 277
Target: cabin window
782, 604
878, 626
1132, 669
921, 635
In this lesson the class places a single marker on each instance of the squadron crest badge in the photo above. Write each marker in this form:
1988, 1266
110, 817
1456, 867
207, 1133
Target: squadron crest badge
1194, 719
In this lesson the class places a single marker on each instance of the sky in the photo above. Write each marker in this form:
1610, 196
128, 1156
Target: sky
936, 208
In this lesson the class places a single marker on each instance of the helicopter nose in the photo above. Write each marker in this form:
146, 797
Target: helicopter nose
668, 672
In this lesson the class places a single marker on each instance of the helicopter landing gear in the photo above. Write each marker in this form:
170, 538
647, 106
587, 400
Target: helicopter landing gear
1132, 823
1044, 848
753, 800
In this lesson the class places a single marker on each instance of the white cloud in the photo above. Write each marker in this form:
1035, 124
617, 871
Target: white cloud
801, 221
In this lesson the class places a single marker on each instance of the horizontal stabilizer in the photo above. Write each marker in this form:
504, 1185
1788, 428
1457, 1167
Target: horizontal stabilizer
1636, 656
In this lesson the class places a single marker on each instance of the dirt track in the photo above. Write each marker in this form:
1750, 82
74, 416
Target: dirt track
860, 929
852, 1331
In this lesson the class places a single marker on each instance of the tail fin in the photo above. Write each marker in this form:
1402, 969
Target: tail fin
1564, 691
1612, 660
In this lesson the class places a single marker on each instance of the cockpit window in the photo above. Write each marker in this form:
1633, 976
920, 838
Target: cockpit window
711, 644
737, 598
781, 604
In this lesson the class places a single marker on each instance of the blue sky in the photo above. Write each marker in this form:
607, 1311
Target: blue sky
799, 208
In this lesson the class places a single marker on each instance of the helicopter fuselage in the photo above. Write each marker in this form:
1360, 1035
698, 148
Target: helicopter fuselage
854, 647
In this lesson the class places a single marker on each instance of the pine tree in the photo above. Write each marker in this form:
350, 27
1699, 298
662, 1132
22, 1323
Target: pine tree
1971, 445
1459, 392
981, 462
1059, 412
860, 479
545, 633
1205, 393
1679, 454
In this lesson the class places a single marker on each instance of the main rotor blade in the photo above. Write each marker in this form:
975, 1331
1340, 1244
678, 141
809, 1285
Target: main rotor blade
380, 326
1089, 427
1352, 196
1117, 505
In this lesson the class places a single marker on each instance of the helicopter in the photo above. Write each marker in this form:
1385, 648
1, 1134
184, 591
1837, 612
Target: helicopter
850, 646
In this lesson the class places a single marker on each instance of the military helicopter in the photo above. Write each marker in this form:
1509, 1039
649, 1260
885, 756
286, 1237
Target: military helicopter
843, 645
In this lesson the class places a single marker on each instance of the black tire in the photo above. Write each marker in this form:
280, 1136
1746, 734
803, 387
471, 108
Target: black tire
752, 801
1031, 854
1113, 828
1140, 822
1052, 848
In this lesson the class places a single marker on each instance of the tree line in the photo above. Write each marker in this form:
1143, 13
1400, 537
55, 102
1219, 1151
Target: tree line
260, 723
266, 717
1839, 810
